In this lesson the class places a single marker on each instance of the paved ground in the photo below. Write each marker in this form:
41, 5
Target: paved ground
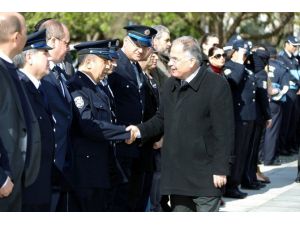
281, 195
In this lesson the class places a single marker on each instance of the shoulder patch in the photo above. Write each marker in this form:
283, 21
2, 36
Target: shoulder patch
227, 72
79, 102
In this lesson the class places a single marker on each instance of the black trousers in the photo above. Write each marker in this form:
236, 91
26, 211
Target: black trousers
243, 132
249, 175
288, 125
92, 199
180, 203
270, 147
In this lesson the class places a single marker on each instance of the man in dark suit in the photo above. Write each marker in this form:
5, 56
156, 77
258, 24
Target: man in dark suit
19, 163
91, 145
196, 117
34, 65
61, 104
129, 89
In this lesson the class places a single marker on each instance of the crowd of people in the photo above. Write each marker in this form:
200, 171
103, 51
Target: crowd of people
151, 125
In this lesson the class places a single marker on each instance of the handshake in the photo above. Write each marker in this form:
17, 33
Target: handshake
134, 134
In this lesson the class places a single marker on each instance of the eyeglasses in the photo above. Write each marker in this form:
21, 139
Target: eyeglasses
218, 56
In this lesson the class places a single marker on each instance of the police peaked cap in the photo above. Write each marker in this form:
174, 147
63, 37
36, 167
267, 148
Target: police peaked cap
292, 40
37, 40
141, 34
100, 48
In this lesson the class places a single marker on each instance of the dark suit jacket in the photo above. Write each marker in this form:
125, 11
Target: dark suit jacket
198, 127
14, 136
40, 191
91, 145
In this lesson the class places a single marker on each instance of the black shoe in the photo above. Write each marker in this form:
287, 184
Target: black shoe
251, 186
260, 184
235, 193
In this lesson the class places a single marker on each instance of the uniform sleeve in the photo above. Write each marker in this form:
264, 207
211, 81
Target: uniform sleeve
234, 72
262, 94
222, 117
93, 128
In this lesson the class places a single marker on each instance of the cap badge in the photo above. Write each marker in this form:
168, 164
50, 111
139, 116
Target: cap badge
147, 32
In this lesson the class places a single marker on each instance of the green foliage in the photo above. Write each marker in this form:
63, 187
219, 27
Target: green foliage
93, 26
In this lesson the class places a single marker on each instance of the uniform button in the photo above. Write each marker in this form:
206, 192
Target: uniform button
41, 118
55, 145
253, 92
127, 86
111, 121
139, 91
141, 101
239, 104
253, 100
87, 156
54, 160
253, 83
54, 130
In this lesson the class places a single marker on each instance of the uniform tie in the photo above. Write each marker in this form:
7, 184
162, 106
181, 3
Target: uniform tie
139, 79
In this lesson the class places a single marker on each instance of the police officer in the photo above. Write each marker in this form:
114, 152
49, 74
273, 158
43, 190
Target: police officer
279, 77
257, 63
243, 87
34, 65
128, 85
91, 144
290, 109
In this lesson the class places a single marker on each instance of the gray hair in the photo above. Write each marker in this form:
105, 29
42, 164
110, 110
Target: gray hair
8, 26
20, 59
160, 30
53, 29
190, 46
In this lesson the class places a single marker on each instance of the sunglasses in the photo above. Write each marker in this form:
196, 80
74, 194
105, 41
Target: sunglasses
218, 56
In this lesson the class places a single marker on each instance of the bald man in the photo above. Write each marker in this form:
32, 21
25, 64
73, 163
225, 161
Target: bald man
17, 121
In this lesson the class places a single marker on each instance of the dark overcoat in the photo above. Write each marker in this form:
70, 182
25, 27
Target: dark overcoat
198, 126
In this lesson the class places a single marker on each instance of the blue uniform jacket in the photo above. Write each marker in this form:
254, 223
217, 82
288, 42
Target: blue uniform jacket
91, 145
243, 87
129, 99
40, 191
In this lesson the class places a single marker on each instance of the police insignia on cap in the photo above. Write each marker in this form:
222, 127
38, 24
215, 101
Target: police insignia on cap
79, 102
147, 32
227, 72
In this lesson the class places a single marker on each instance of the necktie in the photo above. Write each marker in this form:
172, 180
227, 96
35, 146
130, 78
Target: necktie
139, 79
61, 80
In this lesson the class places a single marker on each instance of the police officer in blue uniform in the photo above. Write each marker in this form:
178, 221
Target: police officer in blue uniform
257, 63
279, 77
128, 85
34, 65
291, 112
92, 143
242, 82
